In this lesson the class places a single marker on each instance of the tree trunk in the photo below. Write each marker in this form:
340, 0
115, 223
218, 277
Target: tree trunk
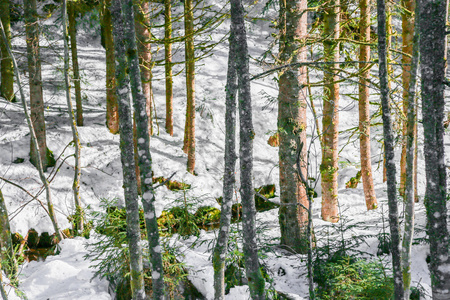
145, 55
330, 119
51, 211
389, 152
79, 222
140, 104
127, 152
35, 81
246, 135
71, 9
112, 113
293, 217
229, 179
432, 52
364, 111
9, 264
6, 66
168, 65
189, 137
407, 48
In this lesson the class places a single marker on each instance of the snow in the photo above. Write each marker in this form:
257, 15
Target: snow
68, 275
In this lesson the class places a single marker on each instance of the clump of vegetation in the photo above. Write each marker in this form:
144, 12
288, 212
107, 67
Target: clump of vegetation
172, 185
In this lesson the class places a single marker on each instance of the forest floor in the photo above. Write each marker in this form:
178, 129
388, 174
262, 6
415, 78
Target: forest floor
67, 275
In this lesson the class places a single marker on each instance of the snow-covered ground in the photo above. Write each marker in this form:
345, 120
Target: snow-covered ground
67, 275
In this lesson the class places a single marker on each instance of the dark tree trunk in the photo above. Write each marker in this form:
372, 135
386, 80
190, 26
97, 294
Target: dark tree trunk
229, 179
389, 152
293, 217
127, 152
9, 265
432, 53
168, 64
6, 66
246, 135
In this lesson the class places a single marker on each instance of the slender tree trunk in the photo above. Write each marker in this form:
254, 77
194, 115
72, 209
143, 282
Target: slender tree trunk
79, 222
189, 137
246, 135
71, 9
112, 113
127, 152
389, 152
6, 66
432, 54
143, 36
51, 211
168, 64
407, 48
229, 179
364, 110
293, 214
9, 264
35, 81
330, 119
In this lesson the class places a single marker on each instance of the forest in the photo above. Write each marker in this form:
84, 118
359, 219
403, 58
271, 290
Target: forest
241, 149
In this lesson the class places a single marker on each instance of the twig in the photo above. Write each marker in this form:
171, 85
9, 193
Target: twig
165, 181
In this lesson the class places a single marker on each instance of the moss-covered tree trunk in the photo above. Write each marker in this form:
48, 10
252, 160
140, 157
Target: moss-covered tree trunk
112, 113
364, 110
79, 222
330, 119
127, 152
9, 265
71, 10
229, 178
35, 83
389, 152
433, 65
51, 211
293, 217
168, 64
6, 65
189, 129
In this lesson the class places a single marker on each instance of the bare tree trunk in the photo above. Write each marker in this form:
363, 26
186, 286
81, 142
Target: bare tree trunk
293, 214
71, 9
364, 111
51, 211
140, 104
127, 152
389, 152
79, 222
112, 113
229, 179
189, 138
168, 64
330, 119
432, 53
6, 66
246, 135
36, 94
407, 48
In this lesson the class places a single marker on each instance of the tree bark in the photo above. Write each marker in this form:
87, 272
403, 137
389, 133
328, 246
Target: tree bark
79, 222
51, 211
229, 179
246, 135
330, 119
112, 113
9, 264
389, 152
71, 9
168, 64
127, 152
293, 214
35, 82
364, 110
432, 53
140, 104
6, 66
189, 136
